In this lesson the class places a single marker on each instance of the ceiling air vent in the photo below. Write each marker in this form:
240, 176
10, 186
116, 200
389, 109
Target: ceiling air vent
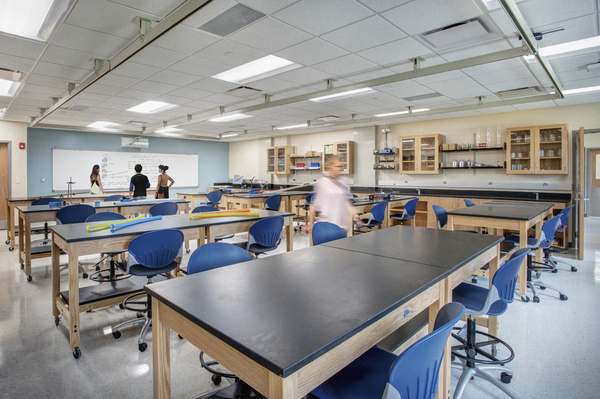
329, 118
521, 92
231, 20
244, 91
77, 108
462, 33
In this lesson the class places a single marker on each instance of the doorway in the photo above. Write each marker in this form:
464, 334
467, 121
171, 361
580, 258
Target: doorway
592, 204
4, 181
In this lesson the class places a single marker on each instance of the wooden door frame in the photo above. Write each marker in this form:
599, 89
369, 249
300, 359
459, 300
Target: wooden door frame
8, 169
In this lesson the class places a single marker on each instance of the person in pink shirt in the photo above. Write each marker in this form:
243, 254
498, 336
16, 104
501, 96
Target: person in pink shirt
332, 198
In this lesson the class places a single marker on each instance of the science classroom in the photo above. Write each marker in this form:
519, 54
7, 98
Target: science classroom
300, 199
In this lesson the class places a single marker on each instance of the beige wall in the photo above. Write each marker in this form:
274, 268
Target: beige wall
16, 133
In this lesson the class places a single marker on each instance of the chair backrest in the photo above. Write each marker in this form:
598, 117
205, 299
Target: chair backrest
100, 216
440, 215
415, 373
214, 196
205, 208
549, 229
164, 208
564, 216
273, 202
323, 232
44, 201
411, 207
77, 213
469, 203
267, 231
310, 198
378, 212
214, 255
156, 249
505, 279
116, 197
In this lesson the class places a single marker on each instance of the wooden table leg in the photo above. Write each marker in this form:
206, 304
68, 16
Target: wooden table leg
73, 295
25, 243
523, 271
445, 297
10, 224
161, 356
493, 268
21, 241
290, 234
450, 223
538, 231
55, 276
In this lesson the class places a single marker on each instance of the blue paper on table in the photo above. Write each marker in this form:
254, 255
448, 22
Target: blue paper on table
126, 200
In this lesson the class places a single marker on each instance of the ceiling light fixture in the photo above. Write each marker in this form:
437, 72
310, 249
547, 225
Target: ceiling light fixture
8, 88
582, 90
169, 129
592, 67
257, 69
291, 127
569, 47
231, 117
228, 135
402, 112
33, 19
344, 94
151, 107
100, 125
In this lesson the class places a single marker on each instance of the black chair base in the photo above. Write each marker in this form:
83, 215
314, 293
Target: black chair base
110, 274
532, 283
237, 390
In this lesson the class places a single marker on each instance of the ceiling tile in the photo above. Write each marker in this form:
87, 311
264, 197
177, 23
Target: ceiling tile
190, 93
136, 94
475, 50
157, 57
425, 15
272, 85
229, 53
154, 87
267, 6
59, 71
133, 70
50, 81
212, 85
311, 52
269, 35
397, 51
16, 63
112, 79
21, 47
503, 75
545, 12
173, 78
345, 65
185, 40
159, 8
304, 76
199, 67
370, 32
511, 84
317, 17
86, 40
65, 56
382, 5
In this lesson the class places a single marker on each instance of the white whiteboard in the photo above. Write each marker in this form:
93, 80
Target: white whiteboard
116, 168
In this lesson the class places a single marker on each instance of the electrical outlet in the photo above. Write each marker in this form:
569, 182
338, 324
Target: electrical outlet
18, 180
43, 179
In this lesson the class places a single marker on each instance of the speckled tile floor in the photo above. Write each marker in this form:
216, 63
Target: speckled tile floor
557, 343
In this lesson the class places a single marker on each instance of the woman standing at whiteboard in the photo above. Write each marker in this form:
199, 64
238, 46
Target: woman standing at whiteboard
164, 182
95, 182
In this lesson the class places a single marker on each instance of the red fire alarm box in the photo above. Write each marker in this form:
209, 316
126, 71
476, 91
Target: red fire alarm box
21, 146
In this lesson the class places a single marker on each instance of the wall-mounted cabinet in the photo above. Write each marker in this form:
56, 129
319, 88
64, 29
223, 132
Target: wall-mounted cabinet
278, 159
343, 150
420, 154
537, 149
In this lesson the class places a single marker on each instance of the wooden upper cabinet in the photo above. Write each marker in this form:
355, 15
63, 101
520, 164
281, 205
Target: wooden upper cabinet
420, 154
278, 159
344, 150
537, 150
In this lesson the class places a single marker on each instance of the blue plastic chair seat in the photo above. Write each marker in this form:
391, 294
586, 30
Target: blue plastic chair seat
365, 378
374, 223
399, 217
139, 270
259, 249
531, 242
473, 298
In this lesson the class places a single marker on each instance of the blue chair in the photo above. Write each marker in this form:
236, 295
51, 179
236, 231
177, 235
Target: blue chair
205, 208
323, 232
163, 208
273, 202
44, 201
469, 203
544, 242
99, 275
212, 256
264, 235
150, 254
214, 198
113, 198
440, 215
77, 213
564, 221
410, 208
475, 360
375, 218
306, 206
380, 374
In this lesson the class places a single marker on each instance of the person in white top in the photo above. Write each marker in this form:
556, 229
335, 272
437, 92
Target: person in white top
332, 198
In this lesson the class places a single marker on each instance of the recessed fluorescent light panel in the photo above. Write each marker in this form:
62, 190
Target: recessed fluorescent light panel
569, 47
582, 90
8, 88
257, 69
344, 94
151, 107
100, 125
228, 135
494, 4
402, 112
33, 19
291, 127
231, 117
168, 129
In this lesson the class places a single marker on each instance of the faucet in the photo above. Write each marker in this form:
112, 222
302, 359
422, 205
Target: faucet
252, 181
537, 196
418, 191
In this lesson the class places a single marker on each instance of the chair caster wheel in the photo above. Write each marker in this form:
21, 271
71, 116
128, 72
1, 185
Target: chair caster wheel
179, 336
22, 266
121, 306
542, 288
216, 379
97, 268
538, 274
11, 248
536, 299
84, 275
117, 334
56, 321
573, 269
524, 298
505, 378
187, 250
7, 242
143, 346
563, 297
555, 271
76, 352
474, 280
29, 278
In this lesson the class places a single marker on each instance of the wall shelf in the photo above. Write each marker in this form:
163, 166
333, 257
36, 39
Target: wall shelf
471, 167
478, 149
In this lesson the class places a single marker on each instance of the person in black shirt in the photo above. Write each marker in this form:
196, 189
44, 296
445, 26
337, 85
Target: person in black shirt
139, 183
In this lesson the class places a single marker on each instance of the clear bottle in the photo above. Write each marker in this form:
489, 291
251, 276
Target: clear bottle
488, 137
478, 137
499, 142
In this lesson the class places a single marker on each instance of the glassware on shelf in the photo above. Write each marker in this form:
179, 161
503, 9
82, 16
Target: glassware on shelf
488, 137
478, 137
499, 137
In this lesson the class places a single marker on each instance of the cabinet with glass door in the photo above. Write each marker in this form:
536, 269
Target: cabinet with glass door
537, 150
420, 154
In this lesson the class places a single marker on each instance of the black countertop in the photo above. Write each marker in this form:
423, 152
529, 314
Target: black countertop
503, 210
102, 205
